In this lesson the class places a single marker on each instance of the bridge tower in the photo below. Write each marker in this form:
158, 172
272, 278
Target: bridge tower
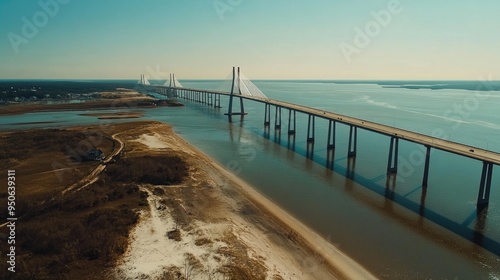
143, 81
174, 93
236, 82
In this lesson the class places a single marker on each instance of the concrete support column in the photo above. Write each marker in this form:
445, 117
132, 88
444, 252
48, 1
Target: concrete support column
267, 114
310, 129
292, 124
277, 118
483, 198
425, 181
392, 162
331, 135
353, 141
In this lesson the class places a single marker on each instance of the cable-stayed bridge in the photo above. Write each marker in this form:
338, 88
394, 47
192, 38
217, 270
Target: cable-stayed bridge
243, 89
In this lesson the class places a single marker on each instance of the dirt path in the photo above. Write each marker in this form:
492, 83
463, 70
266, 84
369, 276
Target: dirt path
94, 175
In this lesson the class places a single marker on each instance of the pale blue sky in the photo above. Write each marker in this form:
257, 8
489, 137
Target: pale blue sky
278, 39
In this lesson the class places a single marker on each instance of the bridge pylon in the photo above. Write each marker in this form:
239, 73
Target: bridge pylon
143, 81
236, 82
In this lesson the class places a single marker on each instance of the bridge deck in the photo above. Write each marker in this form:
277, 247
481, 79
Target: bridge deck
437, 143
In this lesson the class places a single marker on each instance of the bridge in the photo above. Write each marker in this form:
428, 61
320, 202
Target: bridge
242, 88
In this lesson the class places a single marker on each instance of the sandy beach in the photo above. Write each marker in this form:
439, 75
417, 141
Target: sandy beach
234, 223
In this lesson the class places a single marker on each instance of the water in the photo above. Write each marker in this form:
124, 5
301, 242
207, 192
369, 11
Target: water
388, 232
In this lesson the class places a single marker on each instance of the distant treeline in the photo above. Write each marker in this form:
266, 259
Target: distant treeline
477, 85
26, 89
435, 85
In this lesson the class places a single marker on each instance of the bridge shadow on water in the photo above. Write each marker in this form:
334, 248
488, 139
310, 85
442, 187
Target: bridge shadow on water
388, 190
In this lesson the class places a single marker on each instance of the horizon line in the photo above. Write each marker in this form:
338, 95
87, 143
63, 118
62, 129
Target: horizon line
212, 79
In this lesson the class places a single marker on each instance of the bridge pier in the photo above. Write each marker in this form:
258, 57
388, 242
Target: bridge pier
291, 142
267, 114
277, 118
330, 158
392, 162
425, 180
217, 101
310, 150
330, 144
209, 99
351, 167
483, 198
291, 129
331, 135
310, 129
353, 141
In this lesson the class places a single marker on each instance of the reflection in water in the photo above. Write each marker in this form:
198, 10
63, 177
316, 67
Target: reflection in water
310, 150
231, 129
267, 131
481, 217
390, 186
291, 142
351, 166
330, 157
422, 201
277, 135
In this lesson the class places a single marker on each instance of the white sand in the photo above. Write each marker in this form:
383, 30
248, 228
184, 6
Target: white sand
153, 141
151, 252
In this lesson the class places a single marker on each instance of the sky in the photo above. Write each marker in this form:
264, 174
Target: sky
268, 39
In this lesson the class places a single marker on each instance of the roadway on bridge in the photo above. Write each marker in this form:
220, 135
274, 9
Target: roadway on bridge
434, 142
441, 144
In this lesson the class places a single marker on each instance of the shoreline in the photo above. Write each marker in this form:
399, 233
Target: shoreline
341, 264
